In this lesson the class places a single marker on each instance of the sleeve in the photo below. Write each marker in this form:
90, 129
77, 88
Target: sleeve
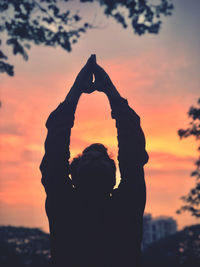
131, 154
55, 163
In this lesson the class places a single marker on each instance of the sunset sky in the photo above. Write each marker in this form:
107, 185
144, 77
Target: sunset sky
158, 74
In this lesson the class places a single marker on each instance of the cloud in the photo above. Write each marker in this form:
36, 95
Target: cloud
162, 161
10, 128
28, 155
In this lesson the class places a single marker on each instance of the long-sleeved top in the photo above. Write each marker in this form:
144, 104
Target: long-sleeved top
90, 234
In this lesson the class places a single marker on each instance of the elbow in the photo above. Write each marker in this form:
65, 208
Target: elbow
42, 164
146, 158
42, 168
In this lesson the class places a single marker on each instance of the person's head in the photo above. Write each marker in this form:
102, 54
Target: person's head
94, 171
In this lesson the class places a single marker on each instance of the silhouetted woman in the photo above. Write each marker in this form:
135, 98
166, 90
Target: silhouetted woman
92, 224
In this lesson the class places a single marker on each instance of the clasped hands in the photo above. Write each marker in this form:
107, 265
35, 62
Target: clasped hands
84, 81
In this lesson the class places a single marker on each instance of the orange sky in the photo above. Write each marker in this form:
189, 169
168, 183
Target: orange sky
157, 74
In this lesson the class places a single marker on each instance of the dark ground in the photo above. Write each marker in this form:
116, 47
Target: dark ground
20, 246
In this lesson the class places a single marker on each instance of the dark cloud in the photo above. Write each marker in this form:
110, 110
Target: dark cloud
10, 128
170, 173
169, 157
30, 155
8, 163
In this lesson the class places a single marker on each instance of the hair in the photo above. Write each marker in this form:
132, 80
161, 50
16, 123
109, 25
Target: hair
94, 147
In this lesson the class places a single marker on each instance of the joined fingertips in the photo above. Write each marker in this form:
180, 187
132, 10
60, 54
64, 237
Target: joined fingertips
93, 56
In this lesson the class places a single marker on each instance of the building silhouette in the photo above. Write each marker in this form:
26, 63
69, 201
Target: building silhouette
157, 228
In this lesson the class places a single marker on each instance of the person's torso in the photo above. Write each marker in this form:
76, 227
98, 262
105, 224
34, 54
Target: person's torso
95, 234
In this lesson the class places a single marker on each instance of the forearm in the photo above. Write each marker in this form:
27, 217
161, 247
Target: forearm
112, 94
73, 97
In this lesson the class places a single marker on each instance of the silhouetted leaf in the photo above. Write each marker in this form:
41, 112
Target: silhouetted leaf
7, 68
44, 22
2, 55
192, 199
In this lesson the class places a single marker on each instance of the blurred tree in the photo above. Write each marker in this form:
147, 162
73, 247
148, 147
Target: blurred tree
178, 250
192, 199
44, 22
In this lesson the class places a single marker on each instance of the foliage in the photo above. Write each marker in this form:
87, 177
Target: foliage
180, 249
21, 246
192, 199
50, 23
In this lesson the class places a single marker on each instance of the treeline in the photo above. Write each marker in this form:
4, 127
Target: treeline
178, 250
20, 246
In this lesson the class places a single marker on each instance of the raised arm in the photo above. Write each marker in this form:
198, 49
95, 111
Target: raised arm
131, 142
55, 166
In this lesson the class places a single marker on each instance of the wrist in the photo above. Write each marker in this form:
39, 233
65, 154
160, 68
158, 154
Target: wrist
75, 90
73, 95
112, 92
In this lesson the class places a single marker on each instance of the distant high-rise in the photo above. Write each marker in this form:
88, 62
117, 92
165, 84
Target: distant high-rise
157, 228
163, 226
147, 230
